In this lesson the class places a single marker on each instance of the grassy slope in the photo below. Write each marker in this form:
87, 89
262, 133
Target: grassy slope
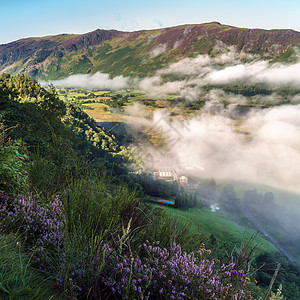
208, 223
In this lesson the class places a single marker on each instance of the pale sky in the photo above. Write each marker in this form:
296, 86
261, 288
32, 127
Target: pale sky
28, 18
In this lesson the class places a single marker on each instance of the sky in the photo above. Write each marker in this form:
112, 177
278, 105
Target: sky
31, 18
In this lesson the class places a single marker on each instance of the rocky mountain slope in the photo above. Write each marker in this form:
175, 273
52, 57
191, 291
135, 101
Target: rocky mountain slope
140, 53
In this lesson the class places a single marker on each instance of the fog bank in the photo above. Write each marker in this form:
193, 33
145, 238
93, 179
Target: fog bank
95, 81
265, 149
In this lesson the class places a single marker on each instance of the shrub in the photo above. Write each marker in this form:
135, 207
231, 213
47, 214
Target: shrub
163, 274
13, 174
40, 225
88, 244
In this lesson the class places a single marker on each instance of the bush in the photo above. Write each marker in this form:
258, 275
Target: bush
13, 174
163, 274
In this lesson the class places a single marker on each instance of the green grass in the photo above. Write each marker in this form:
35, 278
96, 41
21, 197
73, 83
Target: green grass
17, 279
208, 223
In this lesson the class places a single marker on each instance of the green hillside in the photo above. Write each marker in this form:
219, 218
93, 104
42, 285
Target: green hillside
74, 222
140, 53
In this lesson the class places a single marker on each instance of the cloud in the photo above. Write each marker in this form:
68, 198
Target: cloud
191, 74
95, 81
261, 71
158, 50
187, 76
269, 154
189, 66
153, 85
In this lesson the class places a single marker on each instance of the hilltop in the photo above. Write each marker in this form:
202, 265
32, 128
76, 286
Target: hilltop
140, 53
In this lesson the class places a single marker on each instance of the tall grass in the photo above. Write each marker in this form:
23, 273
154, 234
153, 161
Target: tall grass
95, 213
91, 242
18, 280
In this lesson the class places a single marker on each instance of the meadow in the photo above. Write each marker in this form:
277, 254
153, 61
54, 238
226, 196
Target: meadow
216, 225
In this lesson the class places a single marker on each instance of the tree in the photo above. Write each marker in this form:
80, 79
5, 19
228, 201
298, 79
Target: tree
292, 292
229, 200
177, 203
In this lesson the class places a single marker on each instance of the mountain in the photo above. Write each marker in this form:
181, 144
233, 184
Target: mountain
140, 53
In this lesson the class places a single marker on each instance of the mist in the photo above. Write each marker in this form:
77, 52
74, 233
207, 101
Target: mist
158, 50
192, 74
261, 71
94, 81
265, 149
225, 68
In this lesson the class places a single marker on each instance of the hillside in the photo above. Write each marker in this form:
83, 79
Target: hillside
140, 53
81, 233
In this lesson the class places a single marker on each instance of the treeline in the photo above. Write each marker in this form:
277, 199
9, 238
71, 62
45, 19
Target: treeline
250, 90
247, 90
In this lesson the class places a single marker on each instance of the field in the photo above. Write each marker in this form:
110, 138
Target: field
208, 223
99, 112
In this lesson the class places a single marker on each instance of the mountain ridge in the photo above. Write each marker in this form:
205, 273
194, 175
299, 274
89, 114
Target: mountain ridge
139, 53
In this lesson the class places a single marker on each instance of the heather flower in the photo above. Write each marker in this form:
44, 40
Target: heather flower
159, 274
41, 225
172, 274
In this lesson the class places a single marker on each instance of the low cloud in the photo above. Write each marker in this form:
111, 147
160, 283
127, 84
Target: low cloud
201, 65
95, 81
153, 85
158, 50
189, 75
264, 150
261, 71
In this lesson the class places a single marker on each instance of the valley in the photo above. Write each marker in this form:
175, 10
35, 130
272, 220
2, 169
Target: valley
128, 115
151, 164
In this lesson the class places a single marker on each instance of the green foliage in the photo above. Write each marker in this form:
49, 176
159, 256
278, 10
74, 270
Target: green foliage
157, 188
277, 295
95, 213
13, 157
18, 280
62, 140
167, 229
288, 276
229, 199
291, 291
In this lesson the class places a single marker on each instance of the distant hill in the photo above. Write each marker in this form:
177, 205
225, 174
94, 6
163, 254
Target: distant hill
140, 53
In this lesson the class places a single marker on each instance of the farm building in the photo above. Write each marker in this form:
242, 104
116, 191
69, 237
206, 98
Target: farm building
183, 180
170, 176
